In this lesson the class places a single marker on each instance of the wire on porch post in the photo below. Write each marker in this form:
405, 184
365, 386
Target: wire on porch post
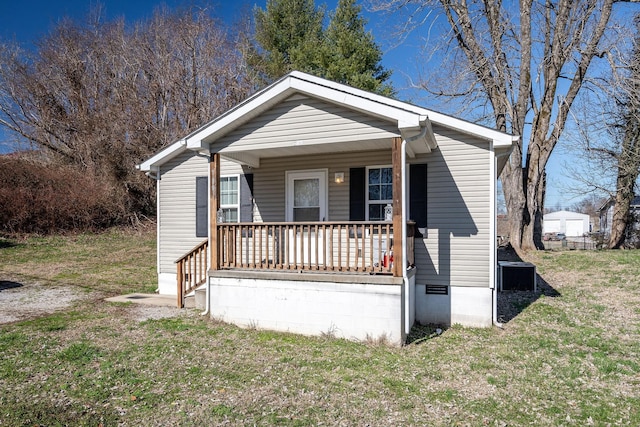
396, 161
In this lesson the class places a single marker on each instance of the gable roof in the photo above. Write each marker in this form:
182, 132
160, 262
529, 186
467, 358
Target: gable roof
413, 122
635, 204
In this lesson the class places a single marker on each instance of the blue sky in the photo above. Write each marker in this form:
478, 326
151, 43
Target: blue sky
27, 20
30, 19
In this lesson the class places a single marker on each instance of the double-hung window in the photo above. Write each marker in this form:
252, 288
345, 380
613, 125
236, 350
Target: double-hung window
229, 197
379, 191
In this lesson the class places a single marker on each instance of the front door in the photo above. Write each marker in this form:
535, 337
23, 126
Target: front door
306, 196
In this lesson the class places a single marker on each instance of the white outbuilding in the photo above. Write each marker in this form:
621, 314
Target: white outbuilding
569, 223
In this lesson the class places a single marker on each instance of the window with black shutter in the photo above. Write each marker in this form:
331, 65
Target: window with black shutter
418, 194
202, 204
246, 197
236, 194
357, 188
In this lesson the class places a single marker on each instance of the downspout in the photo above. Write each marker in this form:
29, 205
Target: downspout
403, 171
153, 174
494, 251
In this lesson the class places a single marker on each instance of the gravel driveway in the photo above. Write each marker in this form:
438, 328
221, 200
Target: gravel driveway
19, 301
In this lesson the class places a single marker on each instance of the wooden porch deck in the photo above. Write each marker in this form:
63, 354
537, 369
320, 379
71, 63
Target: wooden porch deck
364, 248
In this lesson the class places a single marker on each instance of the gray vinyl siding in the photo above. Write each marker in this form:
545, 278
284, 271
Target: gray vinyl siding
311, 120
269, 181
177, 206
455, 250
456, 247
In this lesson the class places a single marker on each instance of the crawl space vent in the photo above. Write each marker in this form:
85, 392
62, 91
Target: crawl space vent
436, 290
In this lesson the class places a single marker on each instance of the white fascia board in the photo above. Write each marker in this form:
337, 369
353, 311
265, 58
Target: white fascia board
162, 156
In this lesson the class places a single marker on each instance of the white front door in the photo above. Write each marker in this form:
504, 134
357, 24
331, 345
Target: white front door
306, 195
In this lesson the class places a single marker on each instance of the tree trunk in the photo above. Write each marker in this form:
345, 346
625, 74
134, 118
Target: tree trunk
512, 184
526, 210
628, 170
620, 220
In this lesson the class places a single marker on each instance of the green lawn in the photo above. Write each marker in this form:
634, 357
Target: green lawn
572, 357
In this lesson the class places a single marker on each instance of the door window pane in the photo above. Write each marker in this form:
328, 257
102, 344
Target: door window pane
306, 199
306, 193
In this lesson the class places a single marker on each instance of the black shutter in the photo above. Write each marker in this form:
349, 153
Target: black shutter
418, 194
202, 204
357, 196
246, 197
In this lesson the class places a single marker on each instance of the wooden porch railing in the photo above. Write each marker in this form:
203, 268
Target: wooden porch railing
360, 247
192, 270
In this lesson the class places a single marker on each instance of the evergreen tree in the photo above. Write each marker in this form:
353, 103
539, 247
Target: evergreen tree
290, 36
349, 53
288, 33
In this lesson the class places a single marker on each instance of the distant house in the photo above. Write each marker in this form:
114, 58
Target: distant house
606, 214
314, 207
570, 223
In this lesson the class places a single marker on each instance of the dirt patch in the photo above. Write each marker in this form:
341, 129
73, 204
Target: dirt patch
20, 301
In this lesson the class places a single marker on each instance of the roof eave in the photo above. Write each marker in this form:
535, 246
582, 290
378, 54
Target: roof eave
152, 164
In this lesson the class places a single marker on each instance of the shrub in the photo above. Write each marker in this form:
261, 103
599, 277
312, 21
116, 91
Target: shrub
39, 197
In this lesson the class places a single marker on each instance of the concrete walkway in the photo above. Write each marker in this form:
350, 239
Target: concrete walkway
152, 299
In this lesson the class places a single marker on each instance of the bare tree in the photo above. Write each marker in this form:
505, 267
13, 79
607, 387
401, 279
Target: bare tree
608, 140
628, 156
524, 65
103, 96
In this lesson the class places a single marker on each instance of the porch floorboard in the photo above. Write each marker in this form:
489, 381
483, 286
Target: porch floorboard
308, 276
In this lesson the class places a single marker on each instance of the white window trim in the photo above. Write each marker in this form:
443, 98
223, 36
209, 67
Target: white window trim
377, 202
323, 174
231, 206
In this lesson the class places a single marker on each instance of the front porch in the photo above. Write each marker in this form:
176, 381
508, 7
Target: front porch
331, 248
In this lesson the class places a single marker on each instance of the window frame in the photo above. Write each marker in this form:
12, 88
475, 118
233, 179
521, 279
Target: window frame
235, 206
383, 202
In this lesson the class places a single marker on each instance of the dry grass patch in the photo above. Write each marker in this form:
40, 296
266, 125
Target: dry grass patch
568, 359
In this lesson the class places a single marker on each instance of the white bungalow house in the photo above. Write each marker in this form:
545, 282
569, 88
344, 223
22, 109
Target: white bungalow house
314, 207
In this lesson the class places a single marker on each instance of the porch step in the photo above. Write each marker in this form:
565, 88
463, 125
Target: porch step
201, 298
